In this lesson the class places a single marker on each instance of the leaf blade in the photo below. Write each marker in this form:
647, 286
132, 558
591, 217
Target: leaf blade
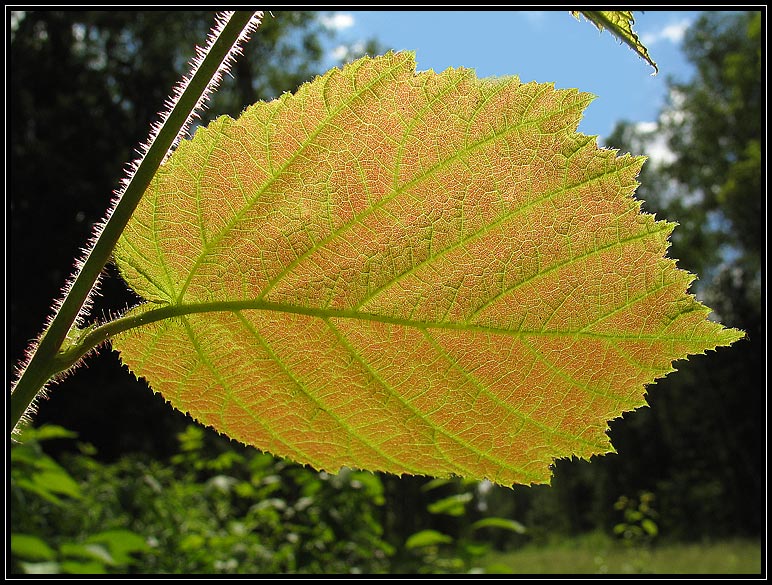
415, 273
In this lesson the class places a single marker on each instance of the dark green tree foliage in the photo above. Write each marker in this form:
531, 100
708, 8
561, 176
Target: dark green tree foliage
719, 135
213, 508
699, 447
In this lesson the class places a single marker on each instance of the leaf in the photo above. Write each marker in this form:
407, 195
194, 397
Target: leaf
121, 544
414, 273
435, 483
454, 505
650, 527
58, 483
620, 24
45, 432
44, 568
427, 538
50, 480
503, 523
28, 546
441, 482
91, 552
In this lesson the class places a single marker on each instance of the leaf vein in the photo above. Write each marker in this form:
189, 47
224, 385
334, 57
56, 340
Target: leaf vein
406, 404
440, 165
348, 431
230, 395
484, 389
297, 153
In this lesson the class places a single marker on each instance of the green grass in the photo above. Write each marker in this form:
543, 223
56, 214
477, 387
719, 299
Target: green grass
598, 554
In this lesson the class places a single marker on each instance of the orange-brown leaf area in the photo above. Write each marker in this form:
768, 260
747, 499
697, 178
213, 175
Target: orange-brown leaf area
407, 272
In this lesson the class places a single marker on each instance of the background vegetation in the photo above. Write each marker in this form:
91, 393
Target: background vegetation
131, 486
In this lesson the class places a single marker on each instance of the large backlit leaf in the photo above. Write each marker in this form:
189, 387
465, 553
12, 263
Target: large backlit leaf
415, 273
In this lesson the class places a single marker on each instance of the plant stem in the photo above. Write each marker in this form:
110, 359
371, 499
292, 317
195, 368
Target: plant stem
42, 364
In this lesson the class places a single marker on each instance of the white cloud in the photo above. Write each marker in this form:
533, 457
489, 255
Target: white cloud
338, 21
674, 114
344, 53
673, 33
654, 143
659, 152
646, 127
339, 53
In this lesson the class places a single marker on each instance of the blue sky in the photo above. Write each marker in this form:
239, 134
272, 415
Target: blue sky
543, 46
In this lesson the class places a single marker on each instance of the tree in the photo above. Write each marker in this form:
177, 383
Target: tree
701, 442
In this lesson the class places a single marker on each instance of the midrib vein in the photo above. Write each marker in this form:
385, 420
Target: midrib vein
176, 311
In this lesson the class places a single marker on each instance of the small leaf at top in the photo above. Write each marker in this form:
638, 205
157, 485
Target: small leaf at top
408, 272
620, 24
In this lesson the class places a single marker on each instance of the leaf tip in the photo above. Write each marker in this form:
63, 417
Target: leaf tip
620, 25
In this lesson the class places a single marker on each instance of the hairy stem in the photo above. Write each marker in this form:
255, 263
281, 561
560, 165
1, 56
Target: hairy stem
42, 364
